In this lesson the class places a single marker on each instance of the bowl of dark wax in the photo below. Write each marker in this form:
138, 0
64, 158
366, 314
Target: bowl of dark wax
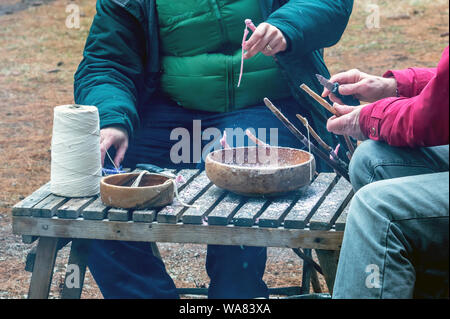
153, 191
260, 171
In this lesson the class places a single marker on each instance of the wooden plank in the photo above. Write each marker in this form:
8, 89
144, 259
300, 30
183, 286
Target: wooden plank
41, 278
120, 215
178, 233
48, 206
204, 204
339, 225
23, 208
172, 213
274, 214
144, 216
73, 207
332, 206
249, 212
96, 210
224, 211
148, 215
310, 199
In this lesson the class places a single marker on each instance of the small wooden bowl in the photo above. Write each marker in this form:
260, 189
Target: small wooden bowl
240, 171
154, 191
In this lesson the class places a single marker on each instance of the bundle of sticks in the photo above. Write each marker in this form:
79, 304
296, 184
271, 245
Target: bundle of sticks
323, 151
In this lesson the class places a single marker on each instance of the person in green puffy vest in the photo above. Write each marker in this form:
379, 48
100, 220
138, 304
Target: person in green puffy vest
157, 67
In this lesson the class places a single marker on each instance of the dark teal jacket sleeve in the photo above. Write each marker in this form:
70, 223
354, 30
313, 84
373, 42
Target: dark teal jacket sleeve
310, 25
111, 71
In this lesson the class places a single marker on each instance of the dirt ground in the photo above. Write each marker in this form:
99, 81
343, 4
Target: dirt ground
39, 55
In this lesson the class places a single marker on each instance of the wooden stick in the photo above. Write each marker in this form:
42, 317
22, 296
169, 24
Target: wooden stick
337, 166
319, 99
330, 108
351, 147
314, 134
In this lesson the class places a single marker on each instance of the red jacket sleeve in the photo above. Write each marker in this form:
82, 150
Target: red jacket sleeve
412, 81
417, 121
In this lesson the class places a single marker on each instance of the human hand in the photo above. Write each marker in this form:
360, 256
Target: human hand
117, 137
266, 39
363, 86
347, 123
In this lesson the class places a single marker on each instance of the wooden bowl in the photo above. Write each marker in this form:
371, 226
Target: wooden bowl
154, 191
246, 171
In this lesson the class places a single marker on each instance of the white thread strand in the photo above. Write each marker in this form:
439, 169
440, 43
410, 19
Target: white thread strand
76, 163
309, 150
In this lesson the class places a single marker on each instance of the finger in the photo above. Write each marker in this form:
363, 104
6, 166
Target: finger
120, 154
268, 37
259, 45
337, 125
350, 89
256, 36
104, 147
351, 76
277, 46
343, 109
335, 99
325, 92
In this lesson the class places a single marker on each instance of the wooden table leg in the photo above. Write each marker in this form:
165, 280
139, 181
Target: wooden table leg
41, 278
328, 260
76, 269
315, 282
307, 270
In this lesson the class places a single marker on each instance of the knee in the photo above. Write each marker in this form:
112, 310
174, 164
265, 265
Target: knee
361, 166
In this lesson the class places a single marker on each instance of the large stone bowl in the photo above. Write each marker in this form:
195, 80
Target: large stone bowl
154, 191
260, 171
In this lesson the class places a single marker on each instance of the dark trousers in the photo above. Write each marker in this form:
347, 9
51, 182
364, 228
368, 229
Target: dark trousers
129, 269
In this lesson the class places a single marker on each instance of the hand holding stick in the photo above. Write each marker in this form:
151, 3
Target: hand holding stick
339, 166
330, 108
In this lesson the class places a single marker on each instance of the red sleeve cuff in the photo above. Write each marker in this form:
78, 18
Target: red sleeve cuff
368, 123
371, 116
403, 78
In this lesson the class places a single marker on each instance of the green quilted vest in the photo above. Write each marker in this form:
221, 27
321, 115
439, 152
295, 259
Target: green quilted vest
201, 56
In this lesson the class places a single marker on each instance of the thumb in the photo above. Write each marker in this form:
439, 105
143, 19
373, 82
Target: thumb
120, 153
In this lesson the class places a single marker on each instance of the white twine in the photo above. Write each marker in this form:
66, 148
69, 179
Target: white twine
76, 163
309, 150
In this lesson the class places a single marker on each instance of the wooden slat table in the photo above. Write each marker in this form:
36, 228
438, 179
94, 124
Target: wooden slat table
311, 218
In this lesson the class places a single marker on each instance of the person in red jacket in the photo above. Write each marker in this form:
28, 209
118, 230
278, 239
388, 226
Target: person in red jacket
396, 238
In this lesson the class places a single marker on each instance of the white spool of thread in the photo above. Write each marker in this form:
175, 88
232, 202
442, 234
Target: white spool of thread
76, 163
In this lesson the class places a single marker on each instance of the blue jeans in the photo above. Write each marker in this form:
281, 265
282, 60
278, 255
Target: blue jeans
129, 269
396, 238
